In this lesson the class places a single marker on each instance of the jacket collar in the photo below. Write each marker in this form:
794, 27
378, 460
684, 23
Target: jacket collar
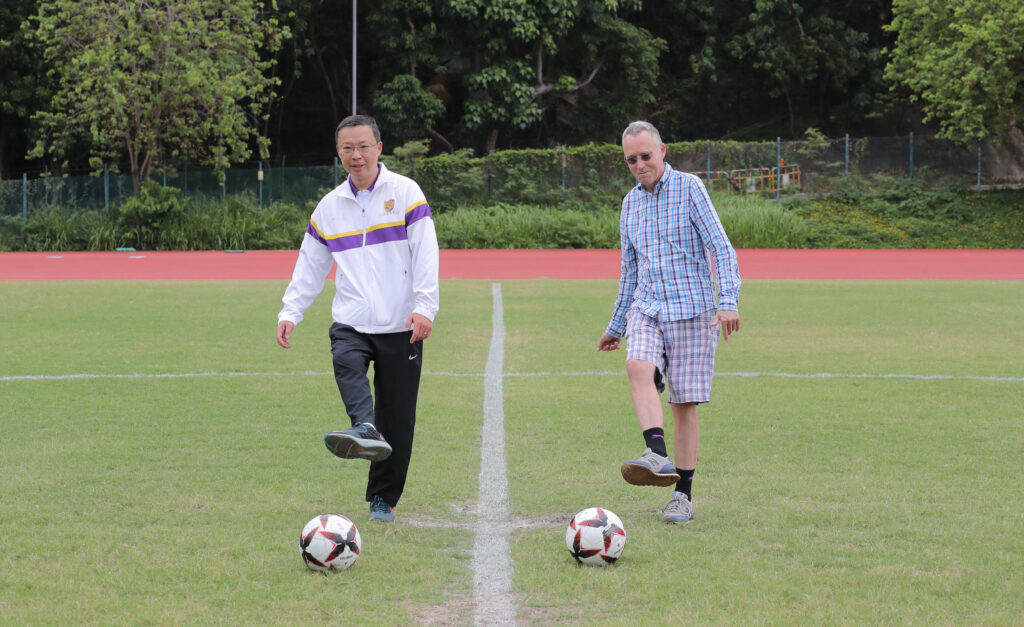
349, 188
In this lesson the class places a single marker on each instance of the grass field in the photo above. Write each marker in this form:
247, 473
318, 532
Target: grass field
819, 499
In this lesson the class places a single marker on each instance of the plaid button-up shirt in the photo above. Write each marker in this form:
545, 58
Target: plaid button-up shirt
669, 239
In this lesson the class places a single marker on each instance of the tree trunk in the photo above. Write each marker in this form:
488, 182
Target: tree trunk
325, 73
792, 116
3, 146
441, 138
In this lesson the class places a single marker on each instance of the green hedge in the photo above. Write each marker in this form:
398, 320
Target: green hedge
858, 214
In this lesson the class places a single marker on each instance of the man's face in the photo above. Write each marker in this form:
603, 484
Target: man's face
645, 158
359, 151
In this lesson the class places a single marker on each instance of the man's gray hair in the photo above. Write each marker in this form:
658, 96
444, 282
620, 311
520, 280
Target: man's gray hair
640, 126
358, 120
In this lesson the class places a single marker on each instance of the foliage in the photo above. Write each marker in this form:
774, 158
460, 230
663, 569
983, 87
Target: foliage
523, 226
964, 61
154, 82
508, 74
762, 68
144, 218
522, 63
516, 199
406, 109
899, 213
791, 43
750, 221
21, 91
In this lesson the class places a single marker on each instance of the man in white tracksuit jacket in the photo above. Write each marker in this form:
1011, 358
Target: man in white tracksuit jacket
378, 229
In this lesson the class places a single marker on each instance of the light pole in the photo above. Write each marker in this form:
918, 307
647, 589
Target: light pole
354, 2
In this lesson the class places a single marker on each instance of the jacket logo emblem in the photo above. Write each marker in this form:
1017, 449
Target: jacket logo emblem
389, 206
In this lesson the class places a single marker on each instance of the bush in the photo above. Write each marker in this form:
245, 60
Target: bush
899, 213
144, 220
858, 214
526, 226
754, 222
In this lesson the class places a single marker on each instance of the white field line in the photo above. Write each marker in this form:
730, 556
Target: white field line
596, 373
492, 556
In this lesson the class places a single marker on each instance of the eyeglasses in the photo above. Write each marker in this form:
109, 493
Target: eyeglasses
645, 156
365, 149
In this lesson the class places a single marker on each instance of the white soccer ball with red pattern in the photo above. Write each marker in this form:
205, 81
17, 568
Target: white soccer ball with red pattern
595, 537
330, 542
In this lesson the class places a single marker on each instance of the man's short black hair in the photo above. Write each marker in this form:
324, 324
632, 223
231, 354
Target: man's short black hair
358, 120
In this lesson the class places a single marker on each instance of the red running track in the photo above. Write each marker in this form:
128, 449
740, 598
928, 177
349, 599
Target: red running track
887, 264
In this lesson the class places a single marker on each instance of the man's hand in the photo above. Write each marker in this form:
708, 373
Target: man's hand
729, 321
420, 325
284, 332
607, 343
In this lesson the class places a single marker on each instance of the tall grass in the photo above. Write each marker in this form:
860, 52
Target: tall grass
526, 226
753, 222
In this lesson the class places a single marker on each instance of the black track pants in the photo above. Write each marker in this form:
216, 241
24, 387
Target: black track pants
391, 407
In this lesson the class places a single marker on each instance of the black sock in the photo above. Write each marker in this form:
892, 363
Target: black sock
685, 483
655, 440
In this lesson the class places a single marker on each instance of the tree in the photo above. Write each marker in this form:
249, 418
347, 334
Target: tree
519, 68
795, 42
407, 110
20, 90
406, 35
155, 81
964, 61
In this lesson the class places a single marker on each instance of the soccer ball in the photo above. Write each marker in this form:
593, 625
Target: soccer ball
595, 537
330, 542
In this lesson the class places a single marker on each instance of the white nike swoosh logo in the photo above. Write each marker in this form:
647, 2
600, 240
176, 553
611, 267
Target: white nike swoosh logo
411, 357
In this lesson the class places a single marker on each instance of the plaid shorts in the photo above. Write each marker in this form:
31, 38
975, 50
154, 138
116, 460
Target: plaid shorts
683, 352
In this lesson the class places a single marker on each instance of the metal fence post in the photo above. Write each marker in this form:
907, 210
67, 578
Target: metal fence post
979, 164
24, 197
708, 176
911, 155
778, 168
106, 186
259, 177
562, 159
846, 159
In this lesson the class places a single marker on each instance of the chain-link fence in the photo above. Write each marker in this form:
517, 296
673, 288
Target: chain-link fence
592, 174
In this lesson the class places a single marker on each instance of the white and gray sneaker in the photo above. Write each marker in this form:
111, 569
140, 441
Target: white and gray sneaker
362, 441
679, 509
650, 469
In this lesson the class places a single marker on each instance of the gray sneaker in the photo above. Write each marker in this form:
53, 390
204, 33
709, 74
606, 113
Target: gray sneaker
679, 509
650, 469
362, 441
381, 511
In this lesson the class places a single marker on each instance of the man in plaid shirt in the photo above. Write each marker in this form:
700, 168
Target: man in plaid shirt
674, 254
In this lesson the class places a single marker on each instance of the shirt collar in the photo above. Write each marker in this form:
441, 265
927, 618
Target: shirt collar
661, 181
380, 170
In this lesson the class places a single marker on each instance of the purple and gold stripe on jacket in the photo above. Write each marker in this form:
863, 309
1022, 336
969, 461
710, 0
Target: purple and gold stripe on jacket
376, 234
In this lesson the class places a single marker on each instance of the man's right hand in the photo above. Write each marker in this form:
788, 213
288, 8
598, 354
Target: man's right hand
284, 332
608, 343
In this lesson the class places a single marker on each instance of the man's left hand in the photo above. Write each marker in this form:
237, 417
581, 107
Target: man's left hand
420, 325
729, 321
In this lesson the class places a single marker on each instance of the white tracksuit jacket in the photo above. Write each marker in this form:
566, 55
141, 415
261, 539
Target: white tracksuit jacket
386, 249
